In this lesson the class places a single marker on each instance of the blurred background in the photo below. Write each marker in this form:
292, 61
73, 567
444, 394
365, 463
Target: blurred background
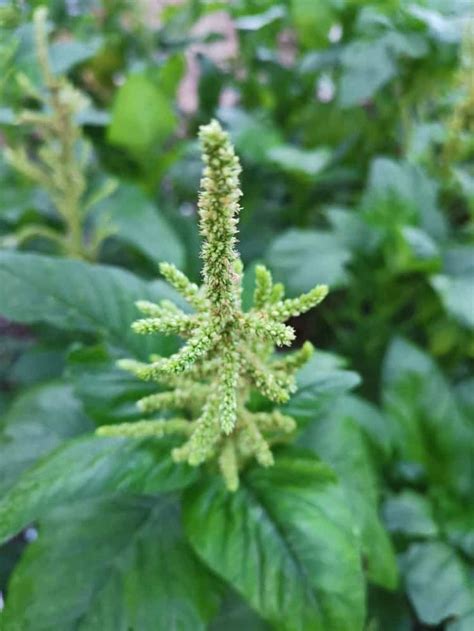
354, 121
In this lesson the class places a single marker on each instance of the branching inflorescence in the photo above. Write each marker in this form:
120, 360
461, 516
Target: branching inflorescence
59, 165
228, 352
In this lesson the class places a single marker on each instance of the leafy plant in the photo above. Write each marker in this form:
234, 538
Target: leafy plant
353, 124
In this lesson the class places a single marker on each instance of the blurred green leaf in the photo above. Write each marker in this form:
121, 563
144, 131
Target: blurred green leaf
257, 21
38, 420
90, 467
142, 116
129, 570
303, 258
437, 582
319, 383
410, 514
64, 55
133, 218
305, 162
76, 296
429, 428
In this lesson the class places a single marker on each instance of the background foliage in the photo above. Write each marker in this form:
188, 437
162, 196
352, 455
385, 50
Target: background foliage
354, 122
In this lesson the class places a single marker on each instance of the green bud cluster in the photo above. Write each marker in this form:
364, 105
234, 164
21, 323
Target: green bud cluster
227, 352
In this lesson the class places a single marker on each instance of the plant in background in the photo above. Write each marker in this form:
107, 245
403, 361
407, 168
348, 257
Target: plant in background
59, 165
228, 352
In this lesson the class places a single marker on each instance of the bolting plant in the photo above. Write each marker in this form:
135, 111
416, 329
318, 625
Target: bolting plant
59, 165
228, 352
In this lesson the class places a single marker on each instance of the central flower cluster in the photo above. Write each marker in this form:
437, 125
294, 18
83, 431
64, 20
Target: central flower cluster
227, 352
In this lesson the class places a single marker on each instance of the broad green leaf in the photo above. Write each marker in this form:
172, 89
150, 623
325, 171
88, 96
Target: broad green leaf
133, 218
90, 467
463, 623
111, 565
38, 420
108, 394
74, 295
457, 295
437, 582
410, 514
304, 162
141, 115
338, 440
401, 193
319, 382
285, 541
367, 67
39, 363
303, 258
370, 419
253, 135
64, 55
429, 427
257, 21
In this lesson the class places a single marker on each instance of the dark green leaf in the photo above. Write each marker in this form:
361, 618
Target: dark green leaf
38, 421
135, 220
319, 382
437, 582
338, 440
303, 258
429, 427
285, 541
89, 467
111, 565
108, 394
74, 295
410, 514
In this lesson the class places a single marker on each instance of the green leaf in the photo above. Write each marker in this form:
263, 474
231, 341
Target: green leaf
142, 116
410, 514
371, 421
235, 615
108, 394
457, 296
456, 521
74, 295
319, 382
89, 467
428, 425
110, 565
135, 220
312, 21
64, 55
437, 582
303, 258
38, 420
464, 623
304, 162
338, 440
367, 67
400, 192
285, 541
257, 21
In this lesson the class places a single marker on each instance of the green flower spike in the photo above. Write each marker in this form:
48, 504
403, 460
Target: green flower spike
227, 352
